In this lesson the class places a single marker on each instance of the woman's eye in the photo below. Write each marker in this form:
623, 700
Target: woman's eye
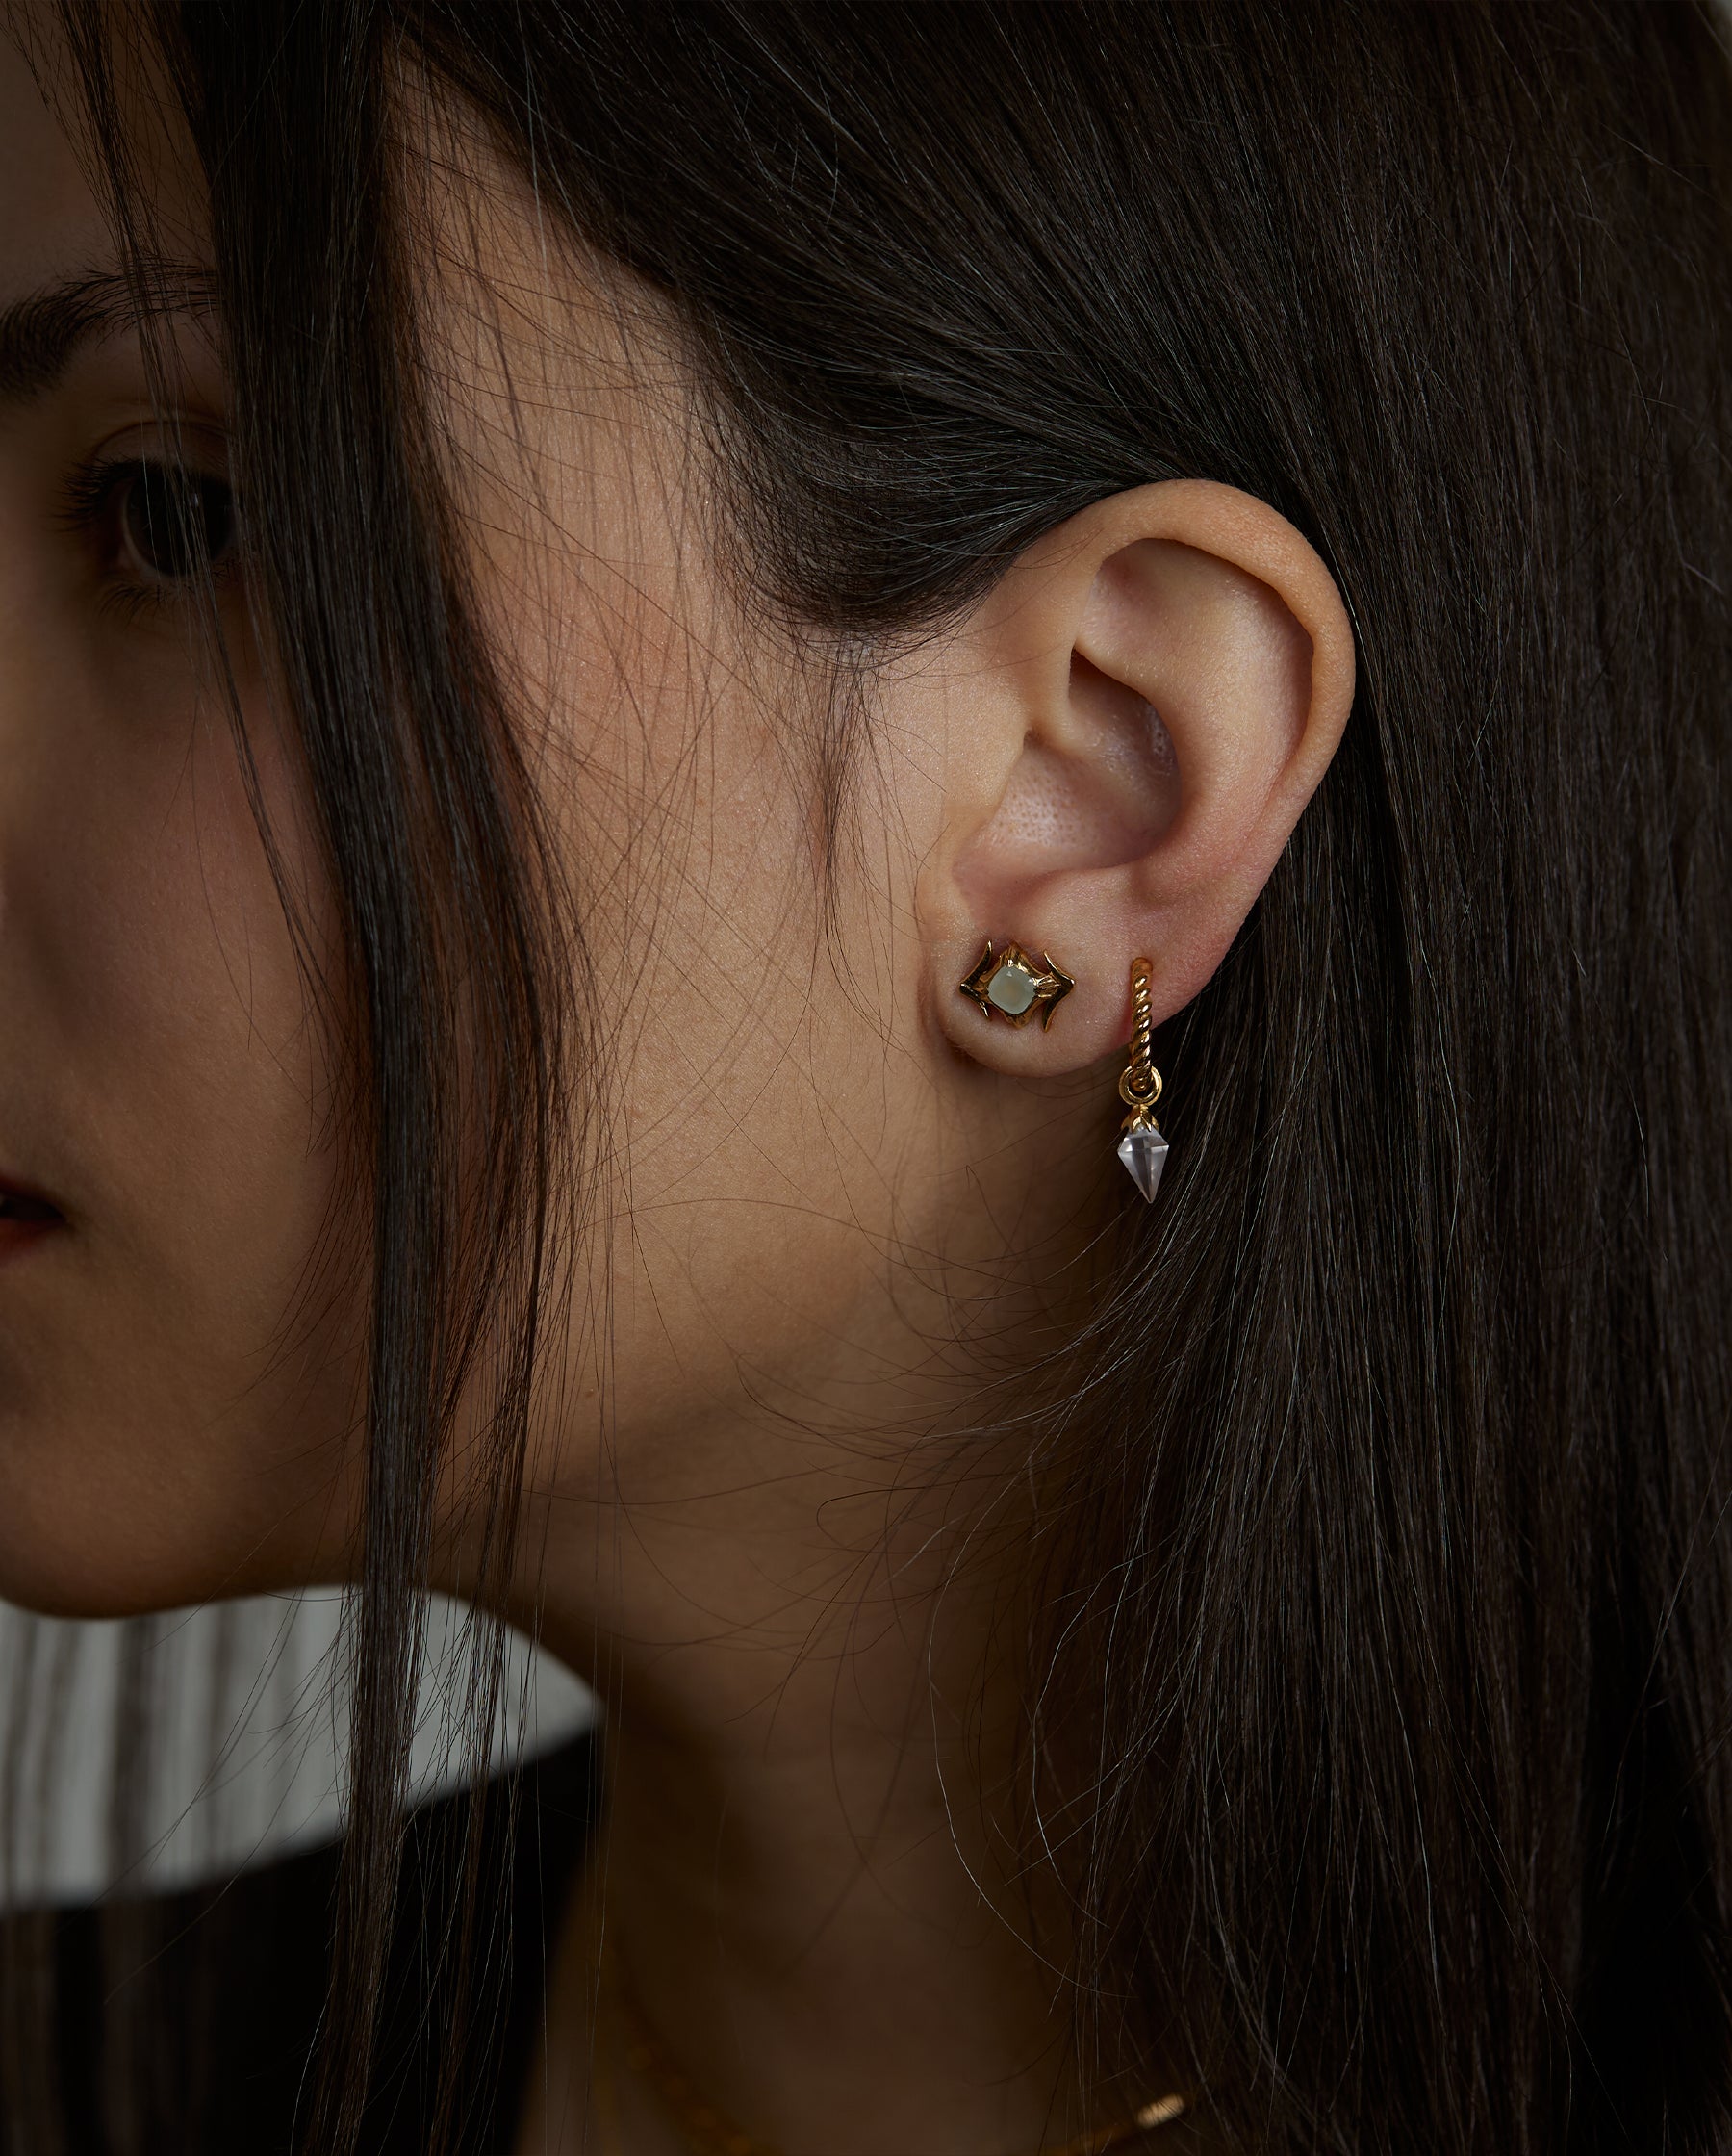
153, 525
172, 523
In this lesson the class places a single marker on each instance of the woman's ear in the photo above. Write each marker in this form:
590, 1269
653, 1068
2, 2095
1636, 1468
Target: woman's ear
1134, 720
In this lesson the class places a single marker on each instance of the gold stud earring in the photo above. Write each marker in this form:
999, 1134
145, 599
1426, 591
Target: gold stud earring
1142, 1147
1010, 986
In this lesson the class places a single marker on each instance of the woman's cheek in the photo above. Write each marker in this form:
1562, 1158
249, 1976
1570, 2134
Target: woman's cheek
177, 1364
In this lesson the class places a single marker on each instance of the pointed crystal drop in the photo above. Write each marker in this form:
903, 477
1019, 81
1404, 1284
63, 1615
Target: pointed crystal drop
1144, 1154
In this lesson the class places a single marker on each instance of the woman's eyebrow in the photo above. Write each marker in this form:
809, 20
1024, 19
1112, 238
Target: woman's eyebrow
41, 332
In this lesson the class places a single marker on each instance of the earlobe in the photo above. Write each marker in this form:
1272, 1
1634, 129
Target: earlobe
1155, 689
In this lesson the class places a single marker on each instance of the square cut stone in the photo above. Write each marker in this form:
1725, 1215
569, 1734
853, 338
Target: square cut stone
1012, 988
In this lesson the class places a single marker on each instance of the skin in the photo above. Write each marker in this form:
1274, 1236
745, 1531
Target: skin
831, 1204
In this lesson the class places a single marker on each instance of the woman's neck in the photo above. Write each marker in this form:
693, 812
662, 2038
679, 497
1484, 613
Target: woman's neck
806, 1874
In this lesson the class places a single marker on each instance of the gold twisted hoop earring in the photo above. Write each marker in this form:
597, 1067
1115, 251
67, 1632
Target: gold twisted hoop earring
1142, 1147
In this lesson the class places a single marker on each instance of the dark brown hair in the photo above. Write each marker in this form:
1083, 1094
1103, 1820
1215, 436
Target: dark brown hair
1389, 1534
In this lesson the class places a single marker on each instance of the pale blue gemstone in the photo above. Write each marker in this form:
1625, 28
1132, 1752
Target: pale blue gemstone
1012, 988
1144, 1154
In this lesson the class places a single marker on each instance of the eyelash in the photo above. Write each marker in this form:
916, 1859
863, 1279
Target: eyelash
94, 503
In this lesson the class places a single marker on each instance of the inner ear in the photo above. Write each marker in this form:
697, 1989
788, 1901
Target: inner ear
1102, 798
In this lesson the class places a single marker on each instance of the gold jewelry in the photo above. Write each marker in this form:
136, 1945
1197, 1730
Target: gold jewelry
709, 2132
1142, 1147
1012, 987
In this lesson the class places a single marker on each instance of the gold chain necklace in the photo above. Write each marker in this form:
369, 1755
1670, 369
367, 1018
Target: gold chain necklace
709, 2132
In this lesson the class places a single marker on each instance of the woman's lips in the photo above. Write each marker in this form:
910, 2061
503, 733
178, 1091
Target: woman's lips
26, 1217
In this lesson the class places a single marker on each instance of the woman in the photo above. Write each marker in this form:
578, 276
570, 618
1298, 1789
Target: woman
654, 663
